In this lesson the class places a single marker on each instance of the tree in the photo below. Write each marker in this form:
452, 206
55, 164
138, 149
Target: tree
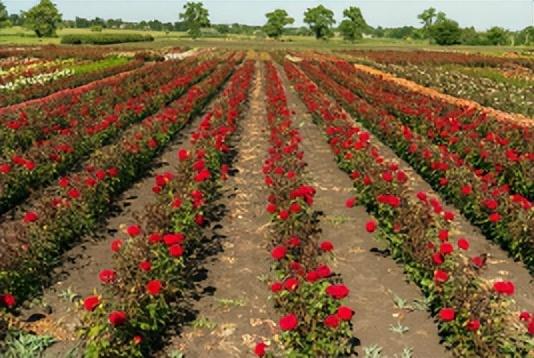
446, 32
352, 27
276, 20
43, 18
497, 36
4, 17
320, 20
428, 18
195, 17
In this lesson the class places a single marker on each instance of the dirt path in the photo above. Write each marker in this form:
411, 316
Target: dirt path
374, 280
238, 314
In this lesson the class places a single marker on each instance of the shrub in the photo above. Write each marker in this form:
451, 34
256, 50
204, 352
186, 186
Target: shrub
104, 39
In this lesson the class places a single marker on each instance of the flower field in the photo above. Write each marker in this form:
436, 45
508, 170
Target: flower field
273, 204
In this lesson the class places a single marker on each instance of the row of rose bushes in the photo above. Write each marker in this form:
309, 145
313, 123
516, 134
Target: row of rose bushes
488, 87
308, 294
38, 90
475, 316
438, 58
53, 52
502, 152
505, 218
37, 120
24, 170
11, 71
79, 202
152, 266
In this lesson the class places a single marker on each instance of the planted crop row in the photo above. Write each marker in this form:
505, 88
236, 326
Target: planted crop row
488, 87
141, 294
502, 152
504, 218
47, 159
475, 316
44, 88
305, 291
77, 204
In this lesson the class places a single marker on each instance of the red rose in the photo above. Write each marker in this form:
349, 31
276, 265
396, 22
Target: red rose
283, 215
154, 238
495, 217
312, 276
271, 208
91, 302
473, 325
449, 216
345, 313
350, 202
107, 276
371, 226
117, 318
176, 251
133, 230
466, 189
478, 261
63, 182
504, 287
491, 204
259, 350
524, 316
116, 245
291, 284
145, 266
437, 258
531, 328
173, 239
278, 253
446, 248
323, 271
154, 287
137, 340
8, 300
463, 244
337, 291
422, 196
327, 246
443, 235
441, 276
199, 219
294, 241
276, 287
73, 193
447, 314
5, 168
331, 321
289, 322
30, 217
183, 154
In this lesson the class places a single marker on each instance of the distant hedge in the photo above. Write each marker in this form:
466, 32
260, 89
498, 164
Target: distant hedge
103, 39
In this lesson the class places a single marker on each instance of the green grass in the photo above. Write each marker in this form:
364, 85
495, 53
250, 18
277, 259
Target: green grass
21, 36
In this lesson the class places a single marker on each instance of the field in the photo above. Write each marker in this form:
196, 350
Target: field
212, 201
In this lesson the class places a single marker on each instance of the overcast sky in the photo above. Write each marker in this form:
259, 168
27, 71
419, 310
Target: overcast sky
482, 14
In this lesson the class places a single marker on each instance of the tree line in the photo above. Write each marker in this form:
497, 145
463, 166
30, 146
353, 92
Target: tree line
44, 19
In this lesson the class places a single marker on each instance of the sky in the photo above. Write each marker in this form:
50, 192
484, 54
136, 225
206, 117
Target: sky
482, 14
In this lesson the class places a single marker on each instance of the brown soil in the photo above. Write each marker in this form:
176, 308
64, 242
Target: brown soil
238, 312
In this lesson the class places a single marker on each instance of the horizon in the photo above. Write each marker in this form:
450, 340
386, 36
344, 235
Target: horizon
519, 13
